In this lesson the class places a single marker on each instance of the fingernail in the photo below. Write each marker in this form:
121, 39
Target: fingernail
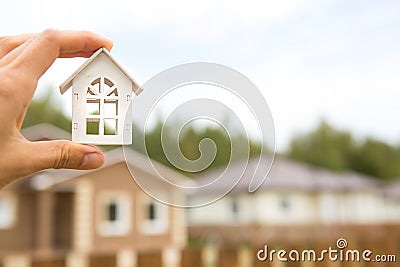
92, 161
90, 149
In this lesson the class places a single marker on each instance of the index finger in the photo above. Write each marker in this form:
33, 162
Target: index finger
9, 43
38, 56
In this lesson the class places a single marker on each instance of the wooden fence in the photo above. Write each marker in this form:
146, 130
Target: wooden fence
150, 259
246, 256
243, 252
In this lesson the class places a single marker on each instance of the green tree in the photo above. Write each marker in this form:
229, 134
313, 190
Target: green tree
189, 141
46, 109
377, 159
339, 151
325, 147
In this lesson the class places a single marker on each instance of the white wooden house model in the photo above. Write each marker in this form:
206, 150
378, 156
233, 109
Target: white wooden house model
101, 101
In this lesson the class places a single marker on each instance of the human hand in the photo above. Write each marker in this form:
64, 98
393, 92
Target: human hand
23, 60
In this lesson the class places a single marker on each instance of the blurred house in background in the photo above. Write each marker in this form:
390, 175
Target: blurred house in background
296, 202
81, 214
103, 218
392, 202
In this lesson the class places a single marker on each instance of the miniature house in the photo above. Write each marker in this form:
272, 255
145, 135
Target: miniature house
101, 101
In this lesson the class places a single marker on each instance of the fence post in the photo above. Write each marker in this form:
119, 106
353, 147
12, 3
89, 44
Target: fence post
127, 258
77, 260
245, 257
171, 257
17, 260
209, 256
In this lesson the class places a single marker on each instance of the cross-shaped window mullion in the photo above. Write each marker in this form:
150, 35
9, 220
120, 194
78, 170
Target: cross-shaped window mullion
102, 96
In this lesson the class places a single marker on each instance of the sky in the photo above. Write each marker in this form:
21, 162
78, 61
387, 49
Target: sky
311, 60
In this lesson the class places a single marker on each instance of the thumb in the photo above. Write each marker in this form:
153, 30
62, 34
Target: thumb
65, 154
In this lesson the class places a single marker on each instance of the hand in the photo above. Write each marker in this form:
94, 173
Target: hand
23, 60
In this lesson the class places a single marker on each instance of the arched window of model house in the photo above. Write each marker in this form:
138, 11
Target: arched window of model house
102, 107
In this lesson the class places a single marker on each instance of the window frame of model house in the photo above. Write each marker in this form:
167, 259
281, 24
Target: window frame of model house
102, 115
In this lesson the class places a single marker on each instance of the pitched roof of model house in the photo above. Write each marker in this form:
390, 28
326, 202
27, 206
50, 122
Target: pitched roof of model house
68, 83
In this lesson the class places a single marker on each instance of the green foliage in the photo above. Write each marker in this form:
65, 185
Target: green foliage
92, 127
189, 141
377, 159
325, 146
46, 110
339, 151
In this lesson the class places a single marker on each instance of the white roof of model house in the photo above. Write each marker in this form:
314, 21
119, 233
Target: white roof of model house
68, 83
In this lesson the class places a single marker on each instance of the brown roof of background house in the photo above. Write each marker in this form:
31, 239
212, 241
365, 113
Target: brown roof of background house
135, 160
45, 131
392, 190
51, 177
285, 175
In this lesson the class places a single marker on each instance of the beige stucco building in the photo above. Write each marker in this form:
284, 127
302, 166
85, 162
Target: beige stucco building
81, 213
297, 201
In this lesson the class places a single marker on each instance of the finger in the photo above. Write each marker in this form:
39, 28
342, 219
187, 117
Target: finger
9, 43
76, 54
13, 54
82, 41
64, 154
38, 56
